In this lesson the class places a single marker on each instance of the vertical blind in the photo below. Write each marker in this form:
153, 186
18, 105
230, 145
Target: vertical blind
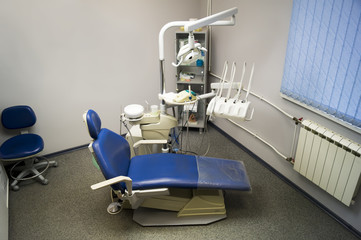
322, 65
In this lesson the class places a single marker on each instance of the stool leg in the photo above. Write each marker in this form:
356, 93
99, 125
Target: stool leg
14, 185
43, 180
53, 163
31, 169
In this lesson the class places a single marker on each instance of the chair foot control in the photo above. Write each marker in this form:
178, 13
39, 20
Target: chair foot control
114, 208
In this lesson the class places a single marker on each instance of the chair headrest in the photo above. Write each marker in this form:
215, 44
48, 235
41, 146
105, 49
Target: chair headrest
93, 123
18, 117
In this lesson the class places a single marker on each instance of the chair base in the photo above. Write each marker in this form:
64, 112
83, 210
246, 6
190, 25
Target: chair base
154, 217
181, 207
31, 171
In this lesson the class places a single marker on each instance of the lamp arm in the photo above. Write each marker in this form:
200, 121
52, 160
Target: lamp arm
213, 20
162, 32
161, 54
189, 26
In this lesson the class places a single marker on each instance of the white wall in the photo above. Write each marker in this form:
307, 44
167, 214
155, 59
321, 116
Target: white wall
260, 36
63, 57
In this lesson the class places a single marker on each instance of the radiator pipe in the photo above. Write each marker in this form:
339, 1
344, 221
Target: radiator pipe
261, 139
297, 121
265, 100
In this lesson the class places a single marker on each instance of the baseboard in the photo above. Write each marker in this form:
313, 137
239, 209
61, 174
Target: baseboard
289, 182
66, 151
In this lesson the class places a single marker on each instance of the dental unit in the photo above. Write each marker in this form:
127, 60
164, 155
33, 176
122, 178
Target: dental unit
157, 125
180, 189
143, 174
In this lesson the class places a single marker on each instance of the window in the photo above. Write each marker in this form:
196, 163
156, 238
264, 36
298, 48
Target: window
322, 65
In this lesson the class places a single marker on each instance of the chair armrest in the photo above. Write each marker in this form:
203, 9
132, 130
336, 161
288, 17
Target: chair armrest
142, 142
127, 180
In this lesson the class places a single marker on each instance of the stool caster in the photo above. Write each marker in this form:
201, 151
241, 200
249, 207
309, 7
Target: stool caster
45, 181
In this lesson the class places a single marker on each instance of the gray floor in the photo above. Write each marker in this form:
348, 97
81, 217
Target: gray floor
68, 209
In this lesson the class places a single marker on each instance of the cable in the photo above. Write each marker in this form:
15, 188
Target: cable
293, 142
205, 134
182, 126
194, 153
187, 127
130, 133
208, 141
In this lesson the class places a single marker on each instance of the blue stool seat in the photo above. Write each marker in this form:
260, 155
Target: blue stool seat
21, 146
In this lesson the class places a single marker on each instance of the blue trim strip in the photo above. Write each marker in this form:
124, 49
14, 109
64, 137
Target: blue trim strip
69, 150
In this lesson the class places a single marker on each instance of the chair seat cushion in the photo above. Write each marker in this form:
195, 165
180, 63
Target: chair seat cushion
222, 174
184, 171
163, 170
21, 146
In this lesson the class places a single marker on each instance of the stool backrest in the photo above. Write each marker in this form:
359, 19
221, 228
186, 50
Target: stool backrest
18, 117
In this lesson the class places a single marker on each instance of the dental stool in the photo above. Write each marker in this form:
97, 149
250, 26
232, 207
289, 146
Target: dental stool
24, 148
164, 188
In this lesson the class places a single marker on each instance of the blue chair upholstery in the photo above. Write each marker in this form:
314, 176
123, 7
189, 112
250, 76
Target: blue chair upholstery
163, 170
23, 147
94, 123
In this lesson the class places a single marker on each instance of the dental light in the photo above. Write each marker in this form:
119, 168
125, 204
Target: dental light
191, 51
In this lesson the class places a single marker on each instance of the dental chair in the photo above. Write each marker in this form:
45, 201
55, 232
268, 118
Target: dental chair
164, 188
24, 148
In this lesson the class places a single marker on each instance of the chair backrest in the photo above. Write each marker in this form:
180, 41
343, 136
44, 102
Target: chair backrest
18, 117
111, 150
93, 123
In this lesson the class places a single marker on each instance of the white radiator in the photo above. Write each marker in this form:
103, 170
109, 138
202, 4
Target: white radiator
329, 160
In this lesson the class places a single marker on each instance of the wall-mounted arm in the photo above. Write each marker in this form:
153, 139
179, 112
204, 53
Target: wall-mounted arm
161, 35
213, 20
189, 26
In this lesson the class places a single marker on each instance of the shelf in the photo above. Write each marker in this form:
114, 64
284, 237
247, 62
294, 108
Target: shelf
193, 76
197, 124
193, 81
200, 126
192, 65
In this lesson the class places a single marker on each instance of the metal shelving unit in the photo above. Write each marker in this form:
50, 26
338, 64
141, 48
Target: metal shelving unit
195, 76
